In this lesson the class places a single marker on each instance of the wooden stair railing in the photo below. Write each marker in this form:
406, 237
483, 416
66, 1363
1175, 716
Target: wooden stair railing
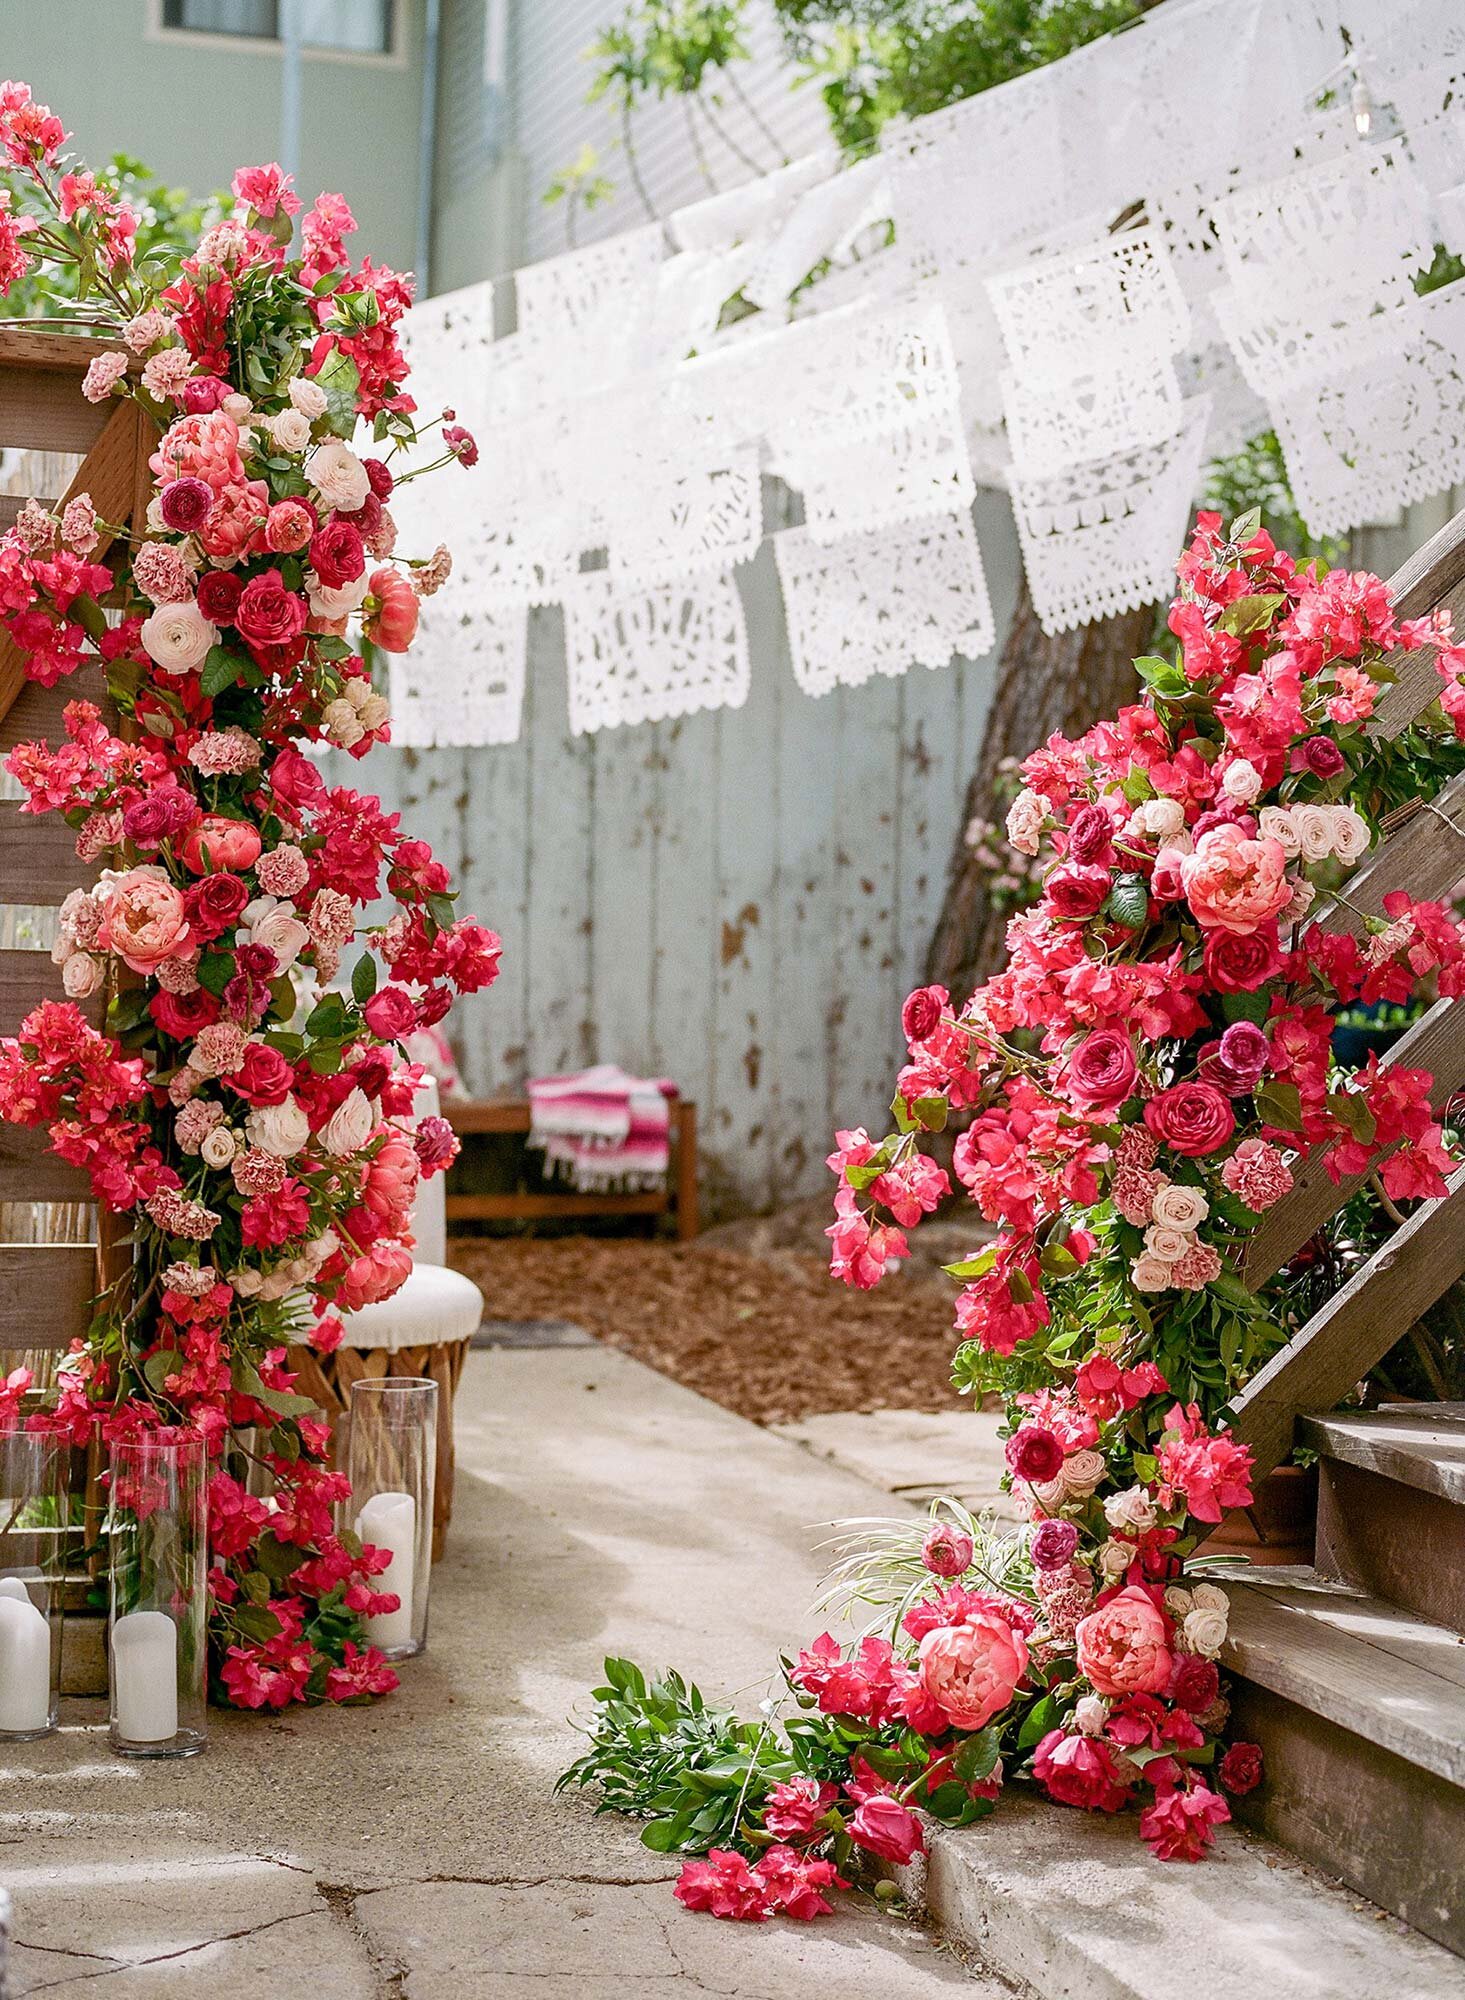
1426, 1255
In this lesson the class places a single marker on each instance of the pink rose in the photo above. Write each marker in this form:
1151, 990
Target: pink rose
1237, 964
1123, 1647
391, 1013
885, 1827
971, 1670
1191, 1118
1101, 1071
1078, 1771
1167, 878
1075, 892
1034, 1453
921, 1014
143, 918
1235, 884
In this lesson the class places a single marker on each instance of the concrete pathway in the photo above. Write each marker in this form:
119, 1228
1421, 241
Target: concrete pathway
917, 1455
412, 1851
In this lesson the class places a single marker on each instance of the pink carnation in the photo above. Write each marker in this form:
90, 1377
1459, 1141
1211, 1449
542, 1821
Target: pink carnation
1257, 1174
104, 372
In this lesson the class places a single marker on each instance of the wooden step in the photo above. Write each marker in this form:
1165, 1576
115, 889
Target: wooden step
1359, 1707
1391, 1503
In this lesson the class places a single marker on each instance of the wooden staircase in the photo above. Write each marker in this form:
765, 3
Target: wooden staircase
1350, 1672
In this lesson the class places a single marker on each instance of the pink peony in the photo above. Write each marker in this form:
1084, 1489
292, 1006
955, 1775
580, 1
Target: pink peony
393, 624
971, 1670
1123, 1646
216, 844
1235, 884
143, 918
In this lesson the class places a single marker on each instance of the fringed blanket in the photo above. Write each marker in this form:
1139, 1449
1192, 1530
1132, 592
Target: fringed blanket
602, 1129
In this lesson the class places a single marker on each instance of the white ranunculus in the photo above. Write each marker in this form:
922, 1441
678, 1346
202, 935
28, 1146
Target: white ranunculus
290, 430
338, 475
1162, 819
246, 1282
308, 397
278, 1129
1169, 1245
1082, 1471
1276, 823
1025, 819
342, 725
349, 1126
275, 925
178, 637
1177, 1602
1210, 1597
1115, 1558
236, 405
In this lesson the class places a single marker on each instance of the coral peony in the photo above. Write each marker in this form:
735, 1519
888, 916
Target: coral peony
1233, 883
971, 1670
1123, 1646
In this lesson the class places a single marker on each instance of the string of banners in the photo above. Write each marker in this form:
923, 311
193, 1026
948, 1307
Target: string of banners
1098, 277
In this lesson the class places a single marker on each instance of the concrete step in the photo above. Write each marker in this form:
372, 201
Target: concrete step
1391, 1503
1072, 1906
1359, 1706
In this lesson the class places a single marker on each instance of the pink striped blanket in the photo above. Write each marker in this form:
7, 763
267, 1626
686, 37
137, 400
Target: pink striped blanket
602, 1129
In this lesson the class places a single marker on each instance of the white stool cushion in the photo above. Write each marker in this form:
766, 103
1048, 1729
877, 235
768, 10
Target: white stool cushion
435, 1304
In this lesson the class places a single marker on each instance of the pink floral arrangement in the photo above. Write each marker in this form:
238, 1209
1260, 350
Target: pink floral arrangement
1137, 1088
253, 1123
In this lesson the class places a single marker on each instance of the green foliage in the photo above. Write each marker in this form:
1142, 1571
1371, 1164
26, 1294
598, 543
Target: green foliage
1256, 476
876, 59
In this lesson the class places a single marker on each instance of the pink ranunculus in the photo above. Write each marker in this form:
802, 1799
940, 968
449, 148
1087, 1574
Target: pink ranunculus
1241, 1767
1033, 1453
971, 1670
393, 624
289, 526
1053, 1543
1079, 1771
947, 1550
1123, 1647
218, 844
1191, 1118
1235, 884
143, 918
1102, 1072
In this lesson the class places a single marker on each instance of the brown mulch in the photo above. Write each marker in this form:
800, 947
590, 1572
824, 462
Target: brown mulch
772, 1337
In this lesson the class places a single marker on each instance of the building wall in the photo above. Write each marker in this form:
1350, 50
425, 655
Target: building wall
194, 108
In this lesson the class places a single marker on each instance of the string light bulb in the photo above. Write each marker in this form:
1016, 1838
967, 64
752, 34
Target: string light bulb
1361, 103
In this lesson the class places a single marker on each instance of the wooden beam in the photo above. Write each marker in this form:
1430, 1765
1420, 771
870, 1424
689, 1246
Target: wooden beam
1356, 1328
38, 858
1434, 576
27, 978
46, 1293
35, 716
1425, 855
542, 1207
30, 1171
1436, 1043
488, 1114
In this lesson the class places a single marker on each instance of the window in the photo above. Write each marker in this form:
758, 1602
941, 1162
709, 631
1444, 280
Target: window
359, 27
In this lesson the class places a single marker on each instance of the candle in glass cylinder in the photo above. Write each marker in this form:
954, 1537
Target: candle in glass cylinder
14, 1586
145, 1677
25, 1667
389, 1521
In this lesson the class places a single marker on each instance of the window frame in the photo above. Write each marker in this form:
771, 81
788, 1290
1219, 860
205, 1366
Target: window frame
157, 29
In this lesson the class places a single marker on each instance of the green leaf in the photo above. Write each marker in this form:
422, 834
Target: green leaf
363, 978
1280, 1104
1351, 1109
327, 1017
976, 1758
1247, 1006
220, 670
660, 1836
440, 908
277, 1559
1250, 614
158, 1367
1037, 1722
1245, 525
972, 1267
1058, 1262
931, 1112
214, 970
340, 378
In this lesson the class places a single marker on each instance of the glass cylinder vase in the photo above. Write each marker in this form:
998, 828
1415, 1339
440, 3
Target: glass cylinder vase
158, 1637
34, 1482
391, 1463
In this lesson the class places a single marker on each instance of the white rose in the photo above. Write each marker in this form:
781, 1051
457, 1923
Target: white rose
1177, 1207
1151, 1274
278, 1129
342, 724
237, 406
1210, 1597
372, 712
1352, 836
1162, 819
338, 475
1205, 1632
219, 1148
275, 925
82, 975
1115, 1558
335, 600
1314, 832
1276, 823
178, 637
1090, 1713
1302, 901
349, 1126
308, 397
1242, 781
1169, 1245
1177, 1602
1048, 1495
290, 430
1082, 1471
1132, 1509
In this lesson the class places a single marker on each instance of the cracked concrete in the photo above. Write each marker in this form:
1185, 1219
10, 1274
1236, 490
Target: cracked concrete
412, 1851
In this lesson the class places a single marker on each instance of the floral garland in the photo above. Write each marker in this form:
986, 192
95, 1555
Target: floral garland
1139, 1085
254, 1125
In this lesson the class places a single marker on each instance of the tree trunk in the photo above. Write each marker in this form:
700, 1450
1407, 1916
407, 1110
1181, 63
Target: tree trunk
1064, 684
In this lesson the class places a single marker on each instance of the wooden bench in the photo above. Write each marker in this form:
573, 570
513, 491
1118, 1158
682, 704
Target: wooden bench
511, 1114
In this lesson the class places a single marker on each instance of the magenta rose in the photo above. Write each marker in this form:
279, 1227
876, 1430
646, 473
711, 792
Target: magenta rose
885, 1827
380, 477
1079, 1771
391, 1013
337, 553
1075, 893
1194, 1683
1240, 964
1102, 1071
921, 1014
268, 613
1191, 1118
1237, 1063
1241, 1768
185, 504
1091, 837
216, 904
1034, 1453
1321, 756
219, 591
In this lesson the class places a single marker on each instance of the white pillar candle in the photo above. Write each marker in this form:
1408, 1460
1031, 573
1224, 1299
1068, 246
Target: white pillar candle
389, 1521
25, 1666
14, 1586
145, 1677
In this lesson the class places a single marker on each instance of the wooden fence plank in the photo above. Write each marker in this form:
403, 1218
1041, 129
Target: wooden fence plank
1356, 1328
1437, 1043
38, 858
1433, 576
46, 1290
30, 1171
1426, 855
27, 978
35, 714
